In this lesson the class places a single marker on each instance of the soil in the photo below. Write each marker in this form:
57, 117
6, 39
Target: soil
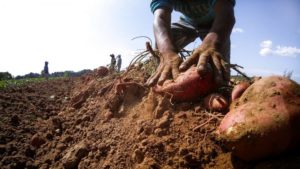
112, 121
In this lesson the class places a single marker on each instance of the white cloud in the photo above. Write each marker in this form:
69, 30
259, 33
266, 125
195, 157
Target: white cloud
266, 44
267, 50
287, 51
238, 30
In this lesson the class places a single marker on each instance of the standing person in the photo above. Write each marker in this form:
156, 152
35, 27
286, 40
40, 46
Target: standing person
112, 62
46, 70
119, 62
211, 20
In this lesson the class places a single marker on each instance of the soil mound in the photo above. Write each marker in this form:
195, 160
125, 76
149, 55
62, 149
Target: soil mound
111, 121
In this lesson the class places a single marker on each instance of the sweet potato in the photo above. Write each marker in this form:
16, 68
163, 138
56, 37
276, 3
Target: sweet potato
238, 90
264, 121
216, 102
188, 85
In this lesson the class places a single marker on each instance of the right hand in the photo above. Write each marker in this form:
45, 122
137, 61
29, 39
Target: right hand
168, 66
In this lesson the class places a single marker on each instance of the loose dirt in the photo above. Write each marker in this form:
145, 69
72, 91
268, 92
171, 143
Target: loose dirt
111, 121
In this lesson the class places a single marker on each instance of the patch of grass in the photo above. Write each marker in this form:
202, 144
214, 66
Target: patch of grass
13, 82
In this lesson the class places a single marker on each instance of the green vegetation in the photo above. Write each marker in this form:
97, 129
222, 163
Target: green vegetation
5, 76
19, 82
238, 78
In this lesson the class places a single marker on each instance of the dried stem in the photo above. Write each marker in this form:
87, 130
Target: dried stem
234, 67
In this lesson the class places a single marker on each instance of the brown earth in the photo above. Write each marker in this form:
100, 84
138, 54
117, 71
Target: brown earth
111, 122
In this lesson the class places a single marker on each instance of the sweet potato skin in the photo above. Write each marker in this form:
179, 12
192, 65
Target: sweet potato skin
264, 121
238, 90
216, 102
188, 86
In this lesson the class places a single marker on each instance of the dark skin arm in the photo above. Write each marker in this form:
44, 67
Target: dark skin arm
169, 59
207, 52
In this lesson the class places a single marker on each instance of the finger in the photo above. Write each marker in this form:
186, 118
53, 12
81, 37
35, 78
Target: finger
154, 77
175, 72
164, 75
226, 69
189, 61
152, 80
202, 63
217, 67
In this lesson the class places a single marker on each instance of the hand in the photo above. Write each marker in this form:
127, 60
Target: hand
204, 55
168, 66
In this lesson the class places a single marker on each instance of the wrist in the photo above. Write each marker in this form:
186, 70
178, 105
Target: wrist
212, 39
168, 53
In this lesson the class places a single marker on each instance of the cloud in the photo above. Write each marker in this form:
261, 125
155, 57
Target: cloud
267, 50
287, 51
266, 44
238, 30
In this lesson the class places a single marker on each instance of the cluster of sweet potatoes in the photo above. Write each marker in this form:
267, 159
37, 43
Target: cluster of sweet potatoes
263, 120
190, 85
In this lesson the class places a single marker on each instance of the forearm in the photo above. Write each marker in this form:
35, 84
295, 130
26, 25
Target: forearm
162, 31
222, 25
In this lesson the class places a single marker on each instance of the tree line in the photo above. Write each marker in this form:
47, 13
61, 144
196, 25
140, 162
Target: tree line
8, 76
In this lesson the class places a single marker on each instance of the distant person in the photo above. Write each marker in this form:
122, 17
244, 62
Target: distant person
46, 70
112, 62
119, 62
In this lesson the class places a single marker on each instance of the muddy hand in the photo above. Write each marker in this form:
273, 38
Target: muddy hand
167, 68
202, 57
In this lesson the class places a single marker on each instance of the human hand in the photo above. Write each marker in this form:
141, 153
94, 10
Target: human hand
168, 66
205, 55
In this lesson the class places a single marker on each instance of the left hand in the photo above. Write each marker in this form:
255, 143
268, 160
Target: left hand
204, 55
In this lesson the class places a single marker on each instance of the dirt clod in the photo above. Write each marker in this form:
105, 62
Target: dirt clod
37, 140
74, 155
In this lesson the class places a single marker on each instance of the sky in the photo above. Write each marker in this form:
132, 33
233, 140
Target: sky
80, 34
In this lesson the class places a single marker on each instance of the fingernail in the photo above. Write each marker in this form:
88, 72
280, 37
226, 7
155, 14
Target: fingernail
201, 70
149, 83
160, 82
181, 67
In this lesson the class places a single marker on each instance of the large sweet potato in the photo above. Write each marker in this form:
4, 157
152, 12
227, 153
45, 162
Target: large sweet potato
265, 120
188, 85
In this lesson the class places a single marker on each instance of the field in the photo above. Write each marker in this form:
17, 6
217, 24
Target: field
111, 122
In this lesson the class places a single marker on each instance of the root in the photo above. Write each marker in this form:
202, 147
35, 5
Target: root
197, 128
137, 37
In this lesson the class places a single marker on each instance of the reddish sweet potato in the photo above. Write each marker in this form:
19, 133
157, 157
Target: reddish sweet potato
216, 102
238, 90
265, 120
188, 85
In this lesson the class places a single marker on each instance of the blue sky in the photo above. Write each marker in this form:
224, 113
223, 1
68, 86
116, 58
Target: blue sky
78, 34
